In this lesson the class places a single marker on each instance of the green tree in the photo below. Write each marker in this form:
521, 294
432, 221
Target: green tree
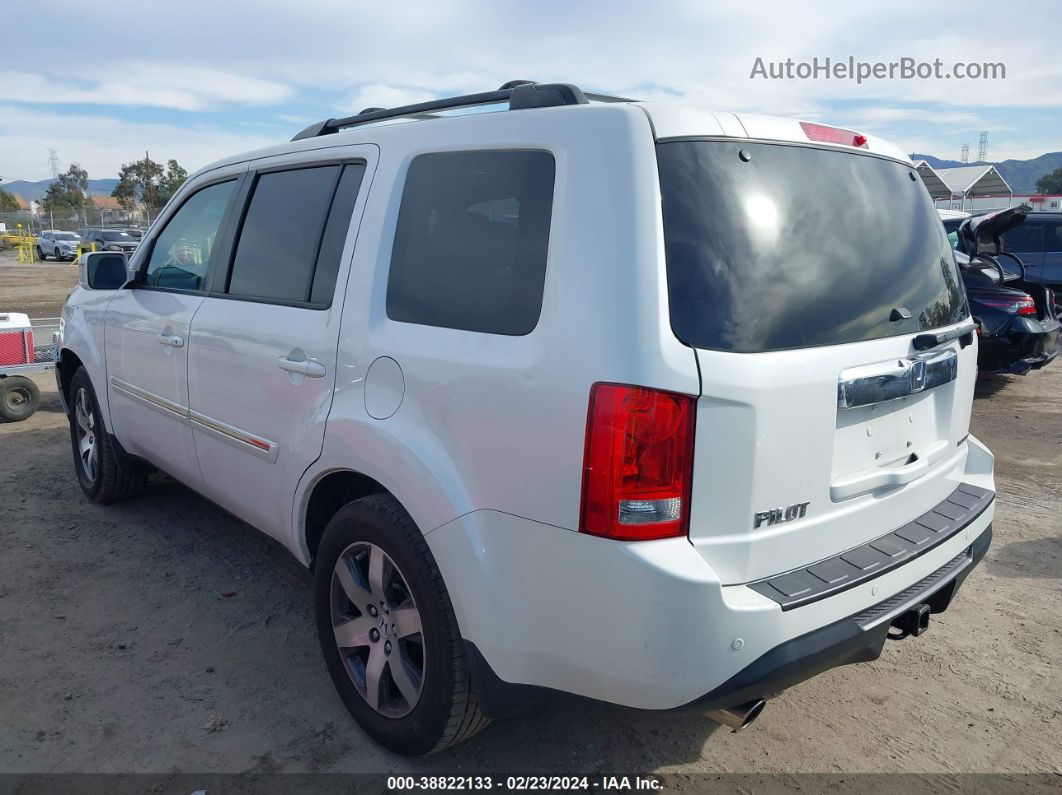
1050, 183
67, 193
148, 183
171, 181
8, 202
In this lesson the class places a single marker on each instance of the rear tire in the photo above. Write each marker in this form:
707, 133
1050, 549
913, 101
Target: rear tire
101, 473
441, 708
40, 254
19, 398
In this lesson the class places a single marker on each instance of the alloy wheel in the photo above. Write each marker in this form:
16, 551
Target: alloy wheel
377, 629
86, 434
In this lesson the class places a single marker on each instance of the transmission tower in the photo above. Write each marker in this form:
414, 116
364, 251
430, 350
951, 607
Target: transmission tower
965, 158
982, 147
53, 161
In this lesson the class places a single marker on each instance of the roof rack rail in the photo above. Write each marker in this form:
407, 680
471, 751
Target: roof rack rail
520, 94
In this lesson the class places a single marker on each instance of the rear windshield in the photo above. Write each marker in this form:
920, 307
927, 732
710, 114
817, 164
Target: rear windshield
772, 246
116, 236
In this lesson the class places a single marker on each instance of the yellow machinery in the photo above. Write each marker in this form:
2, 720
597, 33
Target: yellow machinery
26, 245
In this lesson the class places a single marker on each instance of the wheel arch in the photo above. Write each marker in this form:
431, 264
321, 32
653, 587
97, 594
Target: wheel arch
329, 492
68, 364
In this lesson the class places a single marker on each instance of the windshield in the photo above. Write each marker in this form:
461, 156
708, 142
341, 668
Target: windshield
772, 246
115, 235
65, 236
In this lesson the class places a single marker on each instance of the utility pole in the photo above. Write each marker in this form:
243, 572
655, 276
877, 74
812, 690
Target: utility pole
53, 162
965, 158
982, 147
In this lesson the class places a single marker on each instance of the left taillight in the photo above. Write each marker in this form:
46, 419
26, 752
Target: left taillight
637, 463
1022, 304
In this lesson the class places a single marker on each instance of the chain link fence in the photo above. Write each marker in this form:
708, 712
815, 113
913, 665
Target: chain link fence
71, 222
20, 230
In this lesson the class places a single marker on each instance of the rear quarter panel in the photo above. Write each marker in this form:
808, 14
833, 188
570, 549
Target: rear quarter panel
498, 422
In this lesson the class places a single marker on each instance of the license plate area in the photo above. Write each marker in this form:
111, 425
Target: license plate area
885, 434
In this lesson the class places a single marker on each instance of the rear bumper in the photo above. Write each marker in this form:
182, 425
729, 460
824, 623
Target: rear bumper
1028, 345
857, 638
650, 625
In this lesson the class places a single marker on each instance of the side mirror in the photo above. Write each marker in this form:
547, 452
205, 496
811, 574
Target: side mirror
102, 270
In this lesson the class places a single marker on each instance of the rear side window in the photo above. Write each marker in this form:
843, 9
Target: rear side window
276, 252
772, 247
471, 242
1029, 237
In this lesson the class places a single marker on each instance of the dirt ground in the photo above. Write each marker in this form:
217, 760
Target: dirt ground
39, 289
162, 635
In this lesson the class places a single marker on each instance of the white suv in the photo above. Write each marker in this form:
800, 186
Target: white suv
648, 404
58, 244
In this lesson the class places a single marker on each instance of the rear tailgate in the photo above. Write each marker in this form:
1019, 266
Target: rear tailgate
794, 270
771, 439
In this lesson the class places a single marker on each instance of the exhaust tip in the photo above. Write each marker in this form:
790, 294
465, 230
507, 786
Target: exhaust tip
739, 717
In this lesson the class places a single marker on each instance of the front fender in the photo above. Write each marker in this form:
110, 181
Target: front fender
83, 334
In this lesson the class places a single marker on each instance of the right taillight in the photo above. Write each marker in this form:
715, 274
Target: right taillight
637, 463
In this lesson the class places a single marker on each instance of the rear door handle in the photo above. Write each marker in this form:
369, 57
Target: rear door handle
306, 367
173, 340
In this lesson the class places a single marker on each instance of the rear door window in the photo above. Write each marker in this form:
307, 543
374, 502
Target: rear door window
1054, 237
773, 246
276, 251
1029, 238
471, 241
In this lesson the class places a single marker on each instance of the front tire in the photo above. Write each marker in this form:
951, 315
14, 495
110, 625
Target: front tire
19, 398
388, 632
102, 475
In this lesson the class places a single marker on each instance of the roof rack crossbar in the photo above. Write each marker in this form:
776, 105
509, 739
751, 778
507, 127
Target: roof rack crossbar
520, 94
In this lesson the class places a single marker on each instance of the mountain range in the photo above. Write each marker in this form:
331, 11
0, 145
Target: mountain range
33, 191
1021, 175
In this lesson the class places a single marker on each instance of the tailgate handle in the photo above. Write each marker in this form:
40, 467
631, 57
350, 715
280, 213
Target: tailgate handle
896, 378
855, 485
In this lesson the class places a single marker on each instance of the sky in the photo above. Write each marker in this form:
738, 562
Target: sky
104, 82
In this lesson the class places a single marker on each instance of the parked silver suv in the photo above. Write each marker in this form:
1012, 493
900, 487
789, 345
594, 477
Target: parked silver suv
645, 403
58, 244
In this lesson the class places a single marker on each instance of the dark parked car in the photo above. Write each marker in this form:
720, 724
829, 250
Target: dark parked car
1038, 242
1016, 317
109, 240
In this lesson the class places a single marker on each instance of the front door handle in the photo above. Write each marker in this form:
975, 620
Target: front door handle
173, 340
306, 367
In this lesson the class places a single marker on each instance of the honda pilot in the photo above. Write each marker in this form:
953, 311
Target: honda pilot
649, 404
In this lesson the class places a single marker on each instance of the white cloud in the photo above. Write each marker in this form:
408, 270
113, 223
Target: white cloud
100, 144
182, 87
378, 95
328, 57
